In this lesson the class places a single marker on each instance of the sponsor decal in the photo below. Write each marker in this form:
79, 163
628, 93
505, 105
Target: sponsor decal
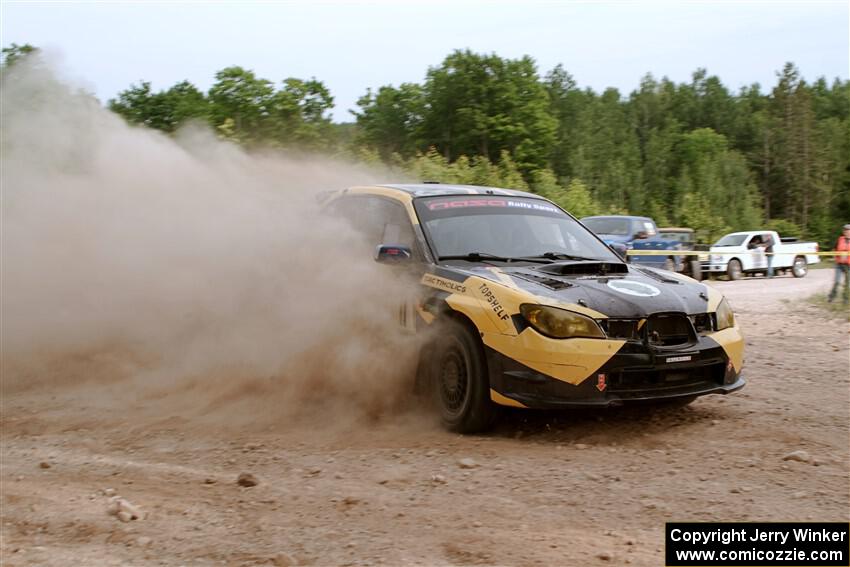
440, 283
490, 298
458, 203
678, 359
461, 203
638, 289
601, 382
532, 206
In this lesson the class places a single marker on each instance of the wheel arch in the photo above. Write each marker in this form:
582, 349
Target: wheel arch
463, 319
445, 314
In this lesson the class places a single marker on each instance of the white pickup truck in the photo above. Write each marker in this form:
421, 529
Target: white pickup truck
743, 253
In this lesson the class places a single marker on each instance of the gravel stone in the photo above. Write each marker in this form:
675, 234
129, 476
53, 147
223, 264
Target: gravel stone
247, 480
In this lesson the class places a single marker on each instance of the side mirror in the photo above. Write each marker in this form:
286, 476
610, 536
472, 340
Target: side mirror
392, 253
641, 235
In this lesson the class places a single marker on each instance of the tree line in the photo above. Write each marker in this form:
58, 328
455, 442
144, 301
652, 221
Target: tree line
693, 153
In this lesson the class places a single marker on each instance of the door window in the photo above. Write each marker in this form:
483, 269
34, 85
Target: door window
379, 220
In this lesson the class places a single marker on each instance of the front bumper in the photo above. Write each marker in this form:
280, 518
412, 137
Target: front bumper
714, 268
634, 374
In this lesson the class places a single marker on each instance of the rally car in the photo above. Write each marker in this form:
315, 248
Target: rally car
531, 310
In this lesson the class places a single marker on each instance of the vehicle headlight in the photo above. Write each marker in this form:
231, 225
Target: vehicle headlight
724, 315
560, 323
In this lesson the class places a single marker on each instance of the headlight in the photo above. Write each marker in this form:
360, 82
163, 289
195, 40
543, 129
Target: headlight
725, 317
559, 323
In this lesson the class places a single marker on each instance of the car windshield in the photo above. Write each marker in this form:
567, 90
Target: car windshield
731, 240
609, 225
507, 227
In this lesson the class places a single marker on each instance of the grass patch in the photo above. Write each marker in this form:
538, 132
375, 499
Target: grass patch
837, 308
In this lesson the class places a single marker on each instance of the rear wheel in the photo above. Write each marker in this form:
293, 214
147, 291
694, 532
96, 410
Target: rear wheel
800, 267
459, 379
733, 270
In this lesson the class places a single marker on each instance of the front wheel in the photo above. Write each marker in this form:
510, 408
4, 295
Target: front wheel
733, 270
459, 380
800, 268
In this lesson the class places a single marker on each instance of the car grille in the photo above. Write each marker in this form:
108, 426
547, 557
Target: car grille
626, 329
702, 322
640, 381
669, 330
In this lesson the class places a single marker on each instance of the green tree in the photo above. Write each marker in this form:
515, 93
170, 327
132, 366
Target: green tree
690, 153
483, 104
299, 114
165, 110
390, 119
238, 94
607, 156
718, 192
566, 102
15, 53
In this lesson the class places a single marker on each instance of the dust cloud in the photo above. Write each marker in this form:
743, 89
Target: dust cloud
182, 272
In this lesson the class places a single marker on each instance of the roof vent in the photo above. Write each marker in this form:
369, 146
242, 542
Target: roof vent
429, 182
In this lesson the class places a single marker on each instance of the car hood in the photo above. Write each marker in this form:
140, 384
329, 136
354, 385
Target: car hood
622, 291
614, 237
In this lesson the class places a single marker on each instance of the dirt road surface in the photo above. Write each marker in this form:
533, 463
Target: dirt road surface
588, 488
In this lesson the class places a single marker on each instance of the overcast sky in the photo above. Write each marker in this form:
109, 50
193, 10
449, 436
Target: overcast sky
354, 45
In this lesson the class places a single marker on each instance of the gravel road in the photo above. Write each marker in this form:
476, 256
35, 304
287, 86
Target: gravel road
581, 488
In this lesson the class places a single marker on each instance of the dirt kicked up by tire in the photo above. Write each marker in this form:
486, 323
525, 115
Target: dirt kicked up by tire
576, 488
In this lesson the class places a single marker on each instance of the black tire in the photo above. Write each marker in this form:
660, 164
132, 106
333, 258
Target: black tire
800, 268
733, 270
459, 380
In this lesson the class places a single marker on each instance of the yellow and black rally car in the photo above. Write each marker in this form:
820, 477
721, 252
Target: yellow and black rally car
532, 310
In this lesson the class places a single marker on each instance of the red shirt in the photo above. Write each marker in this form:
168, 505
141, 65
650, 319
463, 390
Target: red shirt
842, 245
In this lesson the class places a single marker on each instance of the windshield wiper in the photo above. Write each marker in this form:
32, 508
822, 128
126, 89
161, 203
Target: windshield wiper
481, 256
561, 256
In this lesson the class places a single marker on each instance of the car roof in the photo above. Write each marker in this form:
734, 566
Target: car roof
747, 232
437, 189
630, 217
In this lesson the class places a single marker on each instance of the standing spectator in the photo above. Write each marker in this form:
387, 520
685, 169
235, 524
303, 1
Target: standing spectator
767, 242
842, 265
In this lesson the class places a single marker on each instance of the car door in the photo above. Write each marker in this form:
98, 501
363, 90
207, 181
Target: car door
381, 220
397, 229
755, 259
